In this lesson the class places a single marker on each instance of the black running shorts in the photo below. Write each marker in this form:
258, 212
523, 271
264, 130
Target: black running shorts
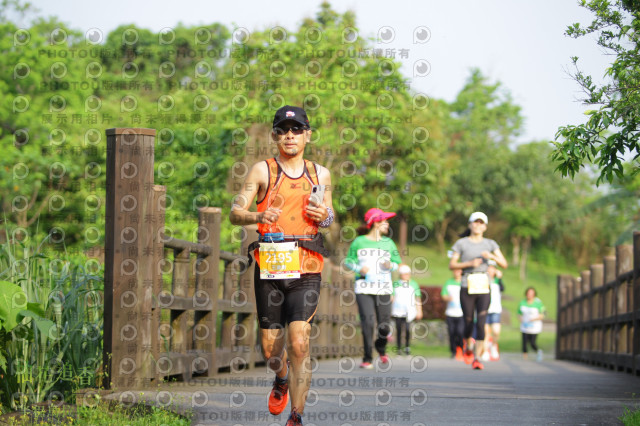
280, 302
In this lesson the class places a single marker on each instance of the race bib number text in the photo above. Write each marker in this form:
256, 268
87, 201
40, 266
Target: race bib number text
279, 261
478, 283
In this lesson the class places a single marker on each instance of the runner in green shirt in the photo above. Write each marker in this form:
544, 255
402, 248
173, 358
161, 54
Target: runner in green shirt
531, 311
372, 257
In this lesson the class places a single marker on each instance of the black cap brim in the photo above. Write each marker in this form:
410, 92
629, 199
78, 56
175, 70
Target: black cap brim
291, 120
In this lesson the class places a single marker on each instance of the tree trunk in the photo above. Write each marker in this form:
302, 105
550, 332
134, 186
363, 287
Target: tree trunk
523, 259
441, 233
515, 253
585, 241
402, 238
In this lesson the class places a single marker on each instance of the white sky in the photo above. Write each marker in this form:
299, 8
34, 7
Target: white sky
519, 43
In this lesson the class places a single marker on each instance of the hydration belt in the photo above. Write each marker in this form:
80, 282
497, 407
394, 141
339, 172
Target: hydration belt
310, 242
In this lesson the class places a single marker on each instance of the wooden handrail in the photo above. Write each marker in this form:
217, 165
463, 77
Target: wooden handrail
206, 321
178, 244
598, 320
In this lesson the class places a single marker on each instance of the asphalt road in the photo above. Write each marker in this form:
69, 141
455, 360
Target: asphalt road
419, 391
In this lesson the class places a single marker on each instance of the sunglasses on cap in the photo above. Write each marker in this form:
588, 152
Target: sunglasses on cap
283, 130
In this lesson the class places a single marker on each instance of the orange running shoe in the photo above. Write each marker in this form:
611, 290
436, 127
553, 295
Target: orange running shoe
279, 397
459, 354
468, 356
295, 419
477, 365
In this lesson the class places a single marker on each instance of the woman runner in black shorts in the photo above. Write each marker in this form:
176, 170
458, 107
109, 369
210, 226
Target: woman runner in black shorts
471, 254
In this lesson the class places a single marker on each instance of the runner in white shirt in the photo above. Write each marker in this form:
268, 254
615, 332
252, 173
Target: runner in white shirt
492, 327
455, 322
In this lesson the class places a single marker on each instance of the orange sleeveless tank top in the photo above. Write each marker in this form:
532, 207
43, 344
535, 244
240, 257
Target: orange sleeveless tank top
291, 195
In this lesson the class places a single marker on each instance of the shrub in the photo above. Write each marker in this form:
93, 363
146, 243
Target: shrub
50, 323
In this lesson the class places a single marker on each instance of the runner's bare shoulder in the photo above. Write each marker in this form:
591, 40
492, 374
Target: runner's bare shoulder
323, 173
258, 173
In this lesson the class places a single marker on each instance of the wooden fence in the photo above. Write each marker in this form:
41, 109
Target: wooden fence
170, 310
599, 312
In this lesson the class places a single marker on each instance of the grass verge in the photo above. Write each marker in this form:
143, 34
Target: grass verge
101, 414
630, 417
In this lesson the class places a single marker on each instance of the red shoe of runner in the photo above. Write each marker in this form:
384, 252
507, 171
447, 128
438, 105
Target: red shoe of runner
294, 419
477, 365
278, 398
459, 354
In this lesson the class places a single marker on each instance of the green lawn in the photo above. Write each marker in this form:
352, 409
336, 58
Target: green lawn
436, 344
543, 278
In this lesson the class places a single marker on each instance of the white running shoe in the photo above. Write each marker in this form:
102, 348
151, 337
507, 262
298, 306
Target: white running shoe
495, 355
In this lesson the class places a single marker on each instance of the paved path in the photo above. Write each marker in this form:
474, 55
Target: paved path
418, 391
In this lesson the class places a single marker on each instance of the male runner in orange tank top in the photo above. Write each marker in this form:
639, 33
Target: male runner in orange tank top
284, 206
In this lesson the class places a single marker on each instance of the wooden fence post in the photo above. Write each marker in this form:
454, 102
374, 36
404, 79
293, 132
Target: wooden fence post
597, 276
575, 317
607, 310
246, 296
636, 303
179, 287
159, 202
583, 316
208, 281
624, 263
129, 197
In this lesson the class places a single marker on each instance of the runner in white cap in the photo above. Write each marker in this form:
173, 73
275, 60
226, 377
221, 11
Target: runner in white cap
471, 254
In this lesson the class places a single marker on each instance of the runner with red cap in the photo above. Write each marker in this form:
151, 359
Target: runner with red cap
372, 257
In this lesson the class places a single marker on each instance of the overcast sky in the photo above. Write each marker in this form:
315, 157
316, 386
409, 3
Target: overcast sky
519, 43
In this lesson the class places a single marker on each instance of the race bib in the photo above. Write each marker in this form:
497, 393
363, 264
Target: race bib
279, 261
478, 283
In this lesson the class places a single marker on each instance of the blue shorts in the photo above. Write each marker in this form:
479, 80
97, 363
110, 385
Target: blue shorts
493, 319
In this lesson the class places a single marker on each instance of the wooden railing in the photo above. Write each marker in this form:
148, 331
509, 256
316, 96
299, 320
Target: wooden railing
162, 321
599, 312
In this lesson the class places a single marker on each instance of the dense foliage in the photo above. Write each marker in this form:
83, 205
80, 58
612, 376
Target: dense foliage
211, 91
610, 136
51, 313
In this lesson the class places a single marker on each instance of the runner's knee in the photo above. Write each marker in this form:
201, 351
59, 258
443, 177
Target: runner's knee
275, 362
384, 329
298, 348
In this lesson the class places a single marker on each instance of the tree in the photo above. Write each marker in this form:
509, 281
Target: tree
210, 94
382, 149
481, 124
527, 204
621, 205
611, 133
38, 184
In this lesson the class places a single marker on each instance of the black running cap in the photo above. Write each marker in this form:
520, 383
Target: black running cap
291, 113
